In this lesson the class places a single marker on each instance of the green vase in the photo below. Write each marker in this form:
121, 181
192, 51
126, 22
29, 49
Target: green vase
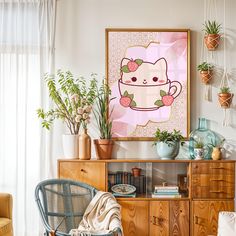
204, 135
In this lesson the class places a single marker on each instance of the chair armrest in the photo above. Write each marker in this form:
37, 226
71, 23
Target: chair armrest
6, 205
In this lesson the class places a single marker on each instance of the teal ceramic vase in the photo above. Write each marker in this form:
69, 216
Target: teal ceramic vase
204, 135
167, 151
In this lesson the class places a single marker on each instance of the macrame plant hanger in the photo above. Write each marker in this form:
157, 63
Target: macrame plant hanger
225, 83
206, 55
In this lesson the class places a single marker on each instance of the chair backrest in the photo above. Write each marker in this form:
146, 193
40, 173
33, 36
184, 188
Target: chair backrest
62, 203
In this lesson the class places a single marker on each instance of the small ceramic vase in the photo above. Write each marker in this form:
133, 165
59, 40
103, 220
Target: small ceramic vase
84, 146
216, 154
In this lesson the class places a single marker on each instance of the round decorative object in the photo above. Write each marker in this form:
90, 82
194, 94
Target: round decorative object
203, 135
123, 189
167, 151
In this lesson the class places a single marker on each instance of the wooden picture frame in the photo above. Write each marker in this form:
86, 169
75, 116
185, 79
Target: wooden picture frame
148, 72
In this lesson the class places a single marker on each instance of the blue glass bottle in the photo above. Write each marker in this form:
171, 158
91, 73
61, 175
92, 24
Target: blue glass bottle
203, 135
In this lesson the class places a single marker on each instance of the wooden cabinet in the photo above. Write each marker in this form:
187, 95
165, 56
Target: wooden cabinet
169, 218
205, 216
134, 218
92, 173
210, 184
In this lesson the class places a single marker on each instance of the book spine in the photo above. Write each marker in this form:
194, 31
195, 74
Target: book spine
166, 193
166, 188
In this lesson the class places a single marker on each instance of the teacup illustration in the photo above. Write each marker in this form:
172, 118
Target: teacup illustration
145, 86
148, 97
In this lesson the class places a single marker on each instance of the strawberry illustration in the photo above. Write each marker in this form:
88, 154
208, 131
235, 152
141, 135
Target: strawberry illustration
125, 101
167, 100
132, 65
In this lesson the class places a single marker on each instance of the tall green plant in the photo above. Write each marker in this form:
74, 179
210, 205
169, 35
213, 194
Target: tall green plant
72, 98
102, 113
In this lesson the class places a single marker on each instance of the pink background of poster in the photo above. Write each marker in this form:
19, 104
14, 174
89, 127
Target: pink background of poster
148, 46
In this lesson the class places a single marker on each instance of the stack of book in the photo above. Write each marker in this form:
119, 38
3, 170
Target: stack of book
166, 192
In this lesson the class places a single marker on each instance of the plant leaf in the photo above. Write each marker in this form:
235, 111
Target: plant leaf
139, 61
159, 103
125, 69
162, 93
126, 94
133, 104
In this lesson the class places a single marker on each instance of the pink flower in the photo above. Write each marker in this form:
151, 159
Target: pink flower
80, 110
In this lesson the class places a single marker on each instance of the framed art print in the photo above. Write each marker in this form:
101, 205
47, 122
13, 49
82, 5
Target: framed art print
148, 74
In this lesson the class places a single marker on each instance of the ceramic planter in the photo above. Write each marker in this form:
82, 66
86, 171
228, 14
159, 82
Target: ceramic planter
212, 41
103, 148
70, 144
136, 171
225, 99
167, 151
206, 76
198, 153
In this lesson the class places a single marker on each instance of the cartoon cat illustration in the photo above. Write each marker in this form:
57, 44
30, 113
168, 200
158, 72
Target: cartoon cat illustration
139, 72
144, 86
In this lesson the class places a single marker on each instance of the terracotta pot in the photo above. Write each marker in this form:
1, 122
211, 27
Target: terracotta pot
206, 76
212, 41
225, 99
84, 146
216, 154
103, 148
136, 171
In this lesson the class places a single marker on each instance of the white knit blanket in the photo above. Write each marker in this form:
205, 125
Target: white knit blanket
227, 224
101, 216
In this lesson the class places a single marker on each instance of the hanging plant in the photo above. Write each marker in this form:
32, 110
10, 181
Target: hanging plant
206, 72
212, 34
225, 97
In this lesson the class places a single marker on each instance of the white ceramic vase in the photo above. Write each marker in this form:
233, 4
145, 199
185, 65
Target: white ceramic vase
70, 145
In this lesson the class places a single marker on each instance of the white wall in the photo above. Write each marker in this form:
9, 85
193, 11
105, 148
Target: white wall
80, 47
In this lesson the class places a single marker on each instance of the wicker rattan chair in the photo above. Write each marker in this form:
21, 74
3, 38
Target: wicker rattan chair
62, 204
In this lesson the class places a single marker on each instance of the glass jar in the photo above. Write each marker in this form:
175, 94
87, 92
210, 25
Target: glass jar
204, 136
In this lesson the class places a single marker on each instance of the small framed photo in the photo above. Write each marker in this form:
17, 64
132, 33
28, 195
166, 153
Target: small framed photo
149, 77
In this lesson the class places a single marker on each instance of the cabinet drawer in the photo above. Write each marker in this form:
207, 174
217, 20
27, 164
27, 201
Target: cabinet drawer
205, 180
213, 168
91, 173
213, 192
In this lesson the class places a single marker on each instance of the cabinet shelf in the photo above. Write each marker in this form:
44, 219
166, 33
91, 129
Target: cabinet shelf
147, 216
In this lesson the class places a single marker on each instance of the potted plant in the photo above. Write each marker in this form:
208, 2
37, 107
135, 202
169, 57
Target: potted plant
212, 34
206, 71
72, 99
167, 143
198, 150
225, 97
104, 145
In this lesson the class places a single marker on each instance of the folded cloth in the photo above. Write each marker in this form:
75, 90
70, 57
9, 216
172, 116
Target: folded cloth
102, 216
227, 224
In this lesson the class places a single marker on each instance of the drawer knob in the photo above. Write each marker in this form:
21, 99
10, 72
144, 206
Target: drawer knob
82, 170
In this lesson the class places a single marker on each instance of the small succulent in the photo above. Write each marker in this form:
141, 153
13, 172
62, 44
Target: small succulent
225, 90
205, 66
198, 144
212, 27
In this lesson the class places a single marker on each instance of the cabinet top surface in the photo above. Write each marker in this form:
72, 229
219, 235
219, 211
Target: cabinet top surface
148, 160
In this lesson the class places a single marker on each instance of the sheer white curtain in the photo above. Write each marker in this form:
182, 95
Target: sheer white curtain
27, 30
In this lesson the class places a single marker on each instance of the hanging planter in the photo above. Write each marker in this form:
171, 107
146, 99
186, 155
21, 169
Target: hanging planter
206, 72
225, 97
212, 34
